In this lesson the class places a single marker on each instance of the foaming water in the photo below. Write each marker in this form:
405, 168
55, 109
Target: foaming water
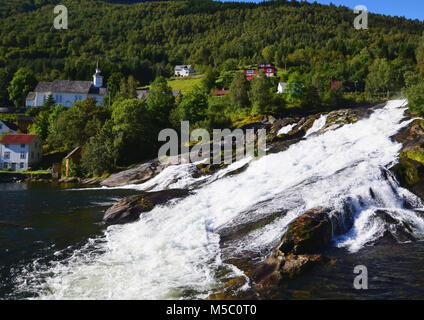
174, 251
318, 125
286, 129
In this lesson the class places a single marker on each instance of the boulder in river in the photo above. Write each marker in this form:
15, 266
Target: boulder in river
410, 169
130, 209
298, 251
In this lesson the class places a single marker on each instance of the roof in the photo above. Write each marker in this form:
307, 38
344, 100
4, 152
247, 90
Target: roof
18, 138
221, 92
183, 66
68, 86
24, 118
31, 96
10, 125
73, 152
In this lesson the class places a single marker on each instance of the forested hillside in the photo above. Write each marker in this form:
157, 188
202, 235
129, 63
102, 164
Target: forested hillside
147, 39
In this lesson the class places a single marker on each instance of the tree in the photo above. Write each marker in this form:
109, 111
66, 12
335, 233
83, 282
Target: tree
135, 134
22, 83
295, 88
259, 93
41, 124
193, 106
127, 88
49, 103
208, 80
415, 95
73, 127
380, 78
99, 155
268, 53
239, 91
113, 84
4, 83
160, 100
420, 56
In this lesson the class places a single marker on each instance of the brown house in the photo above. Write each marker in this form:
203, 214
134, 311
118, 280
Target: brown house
24, 122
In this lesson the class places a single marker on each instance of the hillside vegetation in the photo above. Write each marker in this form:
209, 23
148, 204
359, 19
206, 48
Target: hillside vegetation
147, 39
139, 43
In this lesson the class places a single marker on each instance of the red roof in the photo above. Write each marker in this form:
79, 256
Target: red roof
221, 92
18, 138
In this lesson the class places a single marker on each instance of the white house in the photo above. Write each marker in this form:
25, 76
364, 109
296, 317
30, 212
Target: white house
7, 127
20, 152
67, 92
183, 70
281, 87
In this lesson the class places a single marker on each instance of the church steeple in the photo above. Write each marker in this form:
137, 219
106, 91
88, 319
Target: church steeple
97, 77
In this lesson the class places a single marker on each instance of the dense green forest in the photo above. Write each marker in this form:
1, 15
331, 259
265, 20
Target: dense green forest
140, 41
147, 39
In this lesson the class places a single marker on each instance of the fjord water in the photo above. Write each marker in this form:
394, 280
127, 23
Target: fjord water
38, 220
174, 251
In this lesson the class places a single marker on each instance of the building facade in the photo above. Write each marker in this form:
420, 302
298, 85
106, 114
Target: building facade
67, 92
268, 68
183, 70
20, 152
7, 127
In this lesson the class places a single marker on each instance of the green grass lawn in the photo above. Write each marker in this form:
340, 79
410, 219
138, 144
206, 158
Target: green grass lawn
27, 172
185, 85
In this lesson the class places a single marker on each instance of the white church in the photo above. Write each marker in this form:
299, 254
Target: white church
67, 92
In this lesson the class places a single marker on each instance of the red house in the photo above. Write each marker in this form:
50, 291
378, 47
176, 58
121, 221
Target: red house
335, 84
221, 93
268, 68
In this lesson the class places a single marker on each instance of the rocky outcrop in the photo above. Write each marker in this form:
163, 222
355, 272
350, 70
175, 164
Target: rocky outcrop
410, 169
136, 175
298, 251
130, 209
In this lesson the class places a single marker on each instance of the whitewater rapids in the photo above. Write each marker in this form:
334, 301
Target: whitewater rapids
174, 251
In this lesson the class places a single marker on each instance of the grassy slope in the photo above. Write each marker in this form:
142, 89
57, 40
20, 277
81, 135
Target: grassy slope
185, 85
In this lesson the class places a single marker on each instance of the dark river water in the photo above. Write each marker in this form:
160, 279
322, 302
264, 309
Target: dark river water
37, 220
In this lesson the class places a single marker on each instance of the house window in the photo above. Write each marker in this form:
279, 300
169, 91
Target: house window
23, 156
7, 155
6, 165
22, 146
21, 165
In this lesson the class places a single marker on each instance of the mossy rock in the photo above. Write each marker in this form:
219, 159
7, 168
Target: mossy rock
308, 234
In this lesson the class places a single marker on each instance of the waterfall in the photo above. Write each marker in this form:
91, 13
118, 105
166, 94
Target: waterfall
174, 251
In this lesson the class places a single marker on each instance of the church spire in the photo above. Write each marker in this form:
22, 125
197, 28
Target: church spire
97, 78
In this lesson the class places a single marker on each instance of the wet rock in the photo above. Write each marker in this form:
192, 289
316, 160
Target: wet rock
410, 169
70, 180
308, 234
136, 175
130, 209
298, 251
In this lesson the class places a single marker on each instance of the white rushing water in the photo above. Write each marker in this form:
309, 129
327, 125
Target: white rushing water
286, 129
174, 251
318, 125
